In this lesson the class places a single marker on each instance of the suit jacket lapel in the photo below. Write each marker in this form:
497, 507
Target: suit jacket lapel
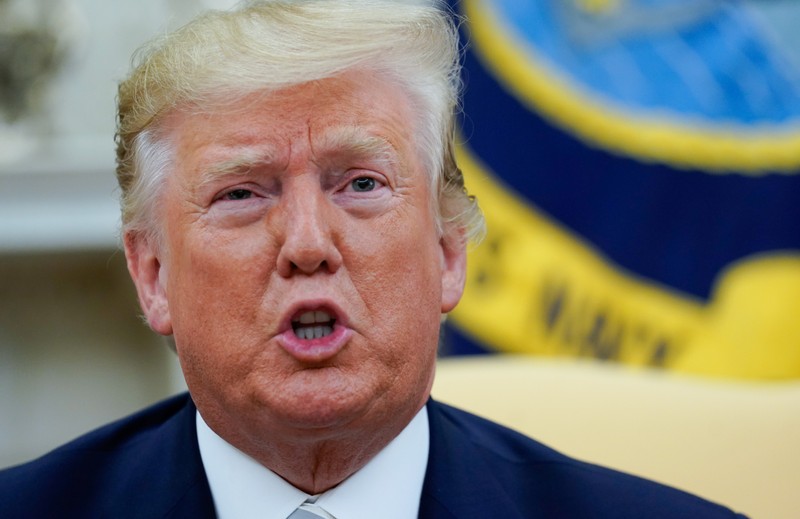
459, 480
166, 478
192, 495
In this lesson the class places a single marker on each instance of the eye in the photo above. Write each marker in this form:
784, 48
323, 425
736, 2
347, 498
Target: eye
238, 194
363, 184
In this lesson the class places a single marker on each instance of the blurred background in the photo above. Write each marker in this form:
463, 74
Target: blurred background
74, 352
637, 161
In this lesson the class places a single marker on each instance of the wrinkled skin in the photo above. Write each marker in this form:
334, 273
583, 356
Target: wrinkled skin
309, 198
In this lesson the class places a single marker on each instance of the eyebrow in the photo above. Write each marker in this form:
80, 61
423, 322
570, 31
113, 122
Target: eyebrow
349, 141
244, 161
357, 142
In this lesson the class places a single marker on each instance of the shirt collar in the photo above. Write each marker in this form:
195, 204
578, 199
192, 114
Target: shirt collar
388, 486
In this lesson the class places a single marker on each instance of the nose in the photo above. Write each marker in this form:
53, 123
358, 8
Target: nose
309, 243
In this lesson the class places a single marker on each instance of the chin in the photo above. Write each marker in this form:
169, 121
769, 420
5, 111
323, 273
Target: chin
307, 403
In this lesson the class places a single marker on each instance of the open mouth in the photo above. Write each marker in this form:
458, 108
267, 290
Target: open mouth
313, 324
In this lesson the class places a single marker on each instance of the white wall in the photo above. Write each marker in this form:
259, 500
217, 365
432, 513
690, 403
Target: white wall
73, 352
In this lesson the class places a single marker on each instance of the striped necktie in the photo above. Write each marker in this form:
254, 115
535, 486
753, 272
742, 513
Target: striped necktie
310, 511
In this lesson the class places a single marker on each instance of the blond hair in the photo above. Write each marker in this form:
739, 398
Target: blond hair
268, 45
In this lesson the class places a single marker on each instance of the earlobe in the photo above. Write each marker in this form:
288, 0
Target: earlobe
454, 270
149, 277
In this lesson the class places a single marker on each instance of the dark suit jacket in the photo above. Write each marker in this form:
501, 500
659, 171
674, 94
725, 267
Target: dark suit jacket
148, 466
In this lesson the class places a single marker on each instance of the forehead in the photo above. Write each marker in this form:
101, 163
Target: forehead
356, 112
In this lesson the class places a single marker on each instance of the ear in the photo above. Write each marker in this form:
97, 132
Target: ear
149, 276
454, 269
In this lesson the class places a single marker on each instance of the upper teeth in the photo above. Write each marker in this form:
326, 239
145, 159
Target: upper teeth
314, 317
304, 331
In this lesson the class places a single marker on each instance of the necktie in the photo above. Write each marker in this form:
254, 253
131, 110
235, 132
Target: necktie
310, 511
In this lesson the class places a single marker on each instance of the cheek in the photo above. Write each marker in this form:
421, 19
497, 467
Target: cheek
397, 256
217, 330
398, 275
214, 278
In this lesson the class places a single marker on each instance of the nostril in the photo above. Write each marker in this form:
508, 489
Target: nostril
323, 265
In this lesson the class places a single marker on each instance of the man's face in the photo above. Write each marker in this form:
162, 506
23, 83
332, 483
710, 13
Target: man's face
301, 275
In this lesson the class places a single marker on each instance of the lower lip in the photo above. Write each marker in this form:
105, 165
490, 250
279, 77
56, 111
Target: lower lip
315, 350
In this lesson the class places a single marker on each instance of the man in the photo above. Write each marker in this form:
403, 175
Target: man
293, 217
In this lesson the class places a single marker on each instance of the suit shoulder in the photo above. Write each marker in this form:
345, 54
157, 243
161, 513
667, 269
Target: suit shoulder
544, 479
103, 461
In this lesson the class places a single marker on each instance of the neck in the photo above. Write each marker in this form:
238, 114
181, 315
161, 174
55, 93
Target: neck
317, 467
316, 460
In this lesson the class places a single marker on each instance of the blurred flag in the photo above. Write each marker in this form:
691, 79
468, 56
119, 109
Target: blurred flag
638, 162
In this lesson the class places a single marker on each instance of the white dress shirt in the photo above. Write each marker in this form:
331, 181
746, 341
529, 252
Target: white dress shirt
388, 486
